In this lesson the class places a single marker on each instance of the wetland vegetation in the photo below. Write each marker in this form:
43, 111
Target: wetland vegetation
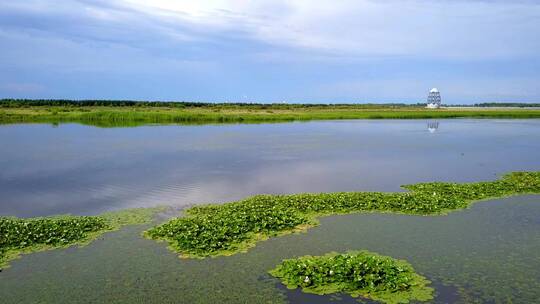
132, 113
234, 227
26, 235
360, 273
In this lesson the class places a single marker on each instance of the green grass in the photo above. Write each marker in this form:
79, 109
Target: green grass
358, 273
234, 227
111, 116
26, 235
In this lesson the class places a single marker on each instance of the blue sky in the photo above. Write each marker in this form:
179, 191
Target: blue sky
271, 51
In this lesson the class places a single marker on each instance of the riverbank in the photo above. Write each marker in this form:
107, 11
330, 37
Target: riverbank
110, 116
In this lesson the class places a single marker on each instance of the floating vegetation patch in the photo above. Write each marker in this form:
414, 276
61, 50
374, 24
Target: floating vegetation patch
234, 227
25, 235
359, 273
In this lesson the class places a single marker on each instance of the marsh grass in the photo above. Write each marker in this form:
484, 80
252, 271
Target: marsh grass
234, 227
111, 116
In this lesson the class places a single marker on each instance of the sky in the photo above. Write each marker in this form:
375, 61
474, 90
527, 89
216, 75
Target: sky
307, 51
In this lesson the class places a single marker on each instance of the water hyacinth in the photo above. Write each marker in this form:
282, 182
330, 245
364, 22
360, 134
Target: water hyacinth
225, 229
18, 235
359, 273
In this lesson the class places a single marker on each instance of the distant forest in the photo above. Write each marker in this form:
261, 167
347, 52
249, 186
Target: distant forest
508, 104
16, 103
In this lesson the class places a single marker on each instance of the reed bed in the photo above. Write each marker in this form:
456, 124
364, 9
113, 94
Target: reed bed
132, 116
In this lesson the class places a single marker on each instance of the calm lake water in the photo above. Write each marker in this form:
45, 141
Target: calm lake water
486, 254
80, 169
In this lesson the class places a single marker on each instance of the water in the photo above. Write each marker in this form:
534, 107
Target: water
79, 169
486, 254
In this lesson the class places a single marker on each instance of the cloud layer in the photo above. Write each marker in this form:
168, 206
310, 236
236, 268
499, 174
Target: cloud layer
331, 51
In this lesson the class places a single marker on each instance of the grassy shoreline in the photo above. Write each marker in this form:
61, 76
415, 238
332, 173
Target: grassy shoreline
110, 116
227, 229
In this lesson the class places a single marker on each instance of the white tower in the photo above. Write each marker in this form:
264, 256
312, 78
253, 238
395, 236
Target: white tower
434, 99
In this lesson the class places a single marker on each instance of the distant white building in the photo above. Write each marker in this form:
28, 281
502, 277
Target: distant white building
434, 99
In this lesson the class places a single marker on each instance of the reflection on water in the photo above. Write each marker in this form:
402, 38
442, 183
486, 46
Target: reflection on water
432, 126
86, 170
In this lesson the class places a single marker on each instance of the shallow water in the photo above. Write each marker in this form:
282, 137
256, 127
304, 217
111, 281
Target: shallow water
87, 170
486, 254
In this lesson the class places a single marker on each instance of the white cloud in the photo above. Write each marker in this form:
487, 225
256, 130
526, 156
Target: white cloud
453, 29
273, 50
435, 29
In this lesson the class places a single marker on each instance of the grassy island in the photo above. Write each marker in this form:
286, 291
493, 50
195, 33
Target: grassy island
131, 113
234, 227
360, 273
26, 235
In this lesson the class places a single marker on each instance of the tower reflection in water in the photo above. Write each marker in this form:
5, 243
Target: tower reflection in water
432, 126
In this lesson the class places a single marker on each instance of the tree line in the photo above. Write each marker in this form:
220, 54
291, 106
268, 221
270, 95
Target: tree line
15, 103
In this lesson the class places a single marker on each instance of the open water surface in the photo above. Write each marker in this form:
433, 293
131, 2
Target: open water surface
79, 169
485, 254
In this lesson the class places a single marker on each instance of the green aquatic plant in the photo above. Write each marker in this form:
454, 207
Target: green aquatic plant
227, 229
25, 235
358, 273
234, 227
